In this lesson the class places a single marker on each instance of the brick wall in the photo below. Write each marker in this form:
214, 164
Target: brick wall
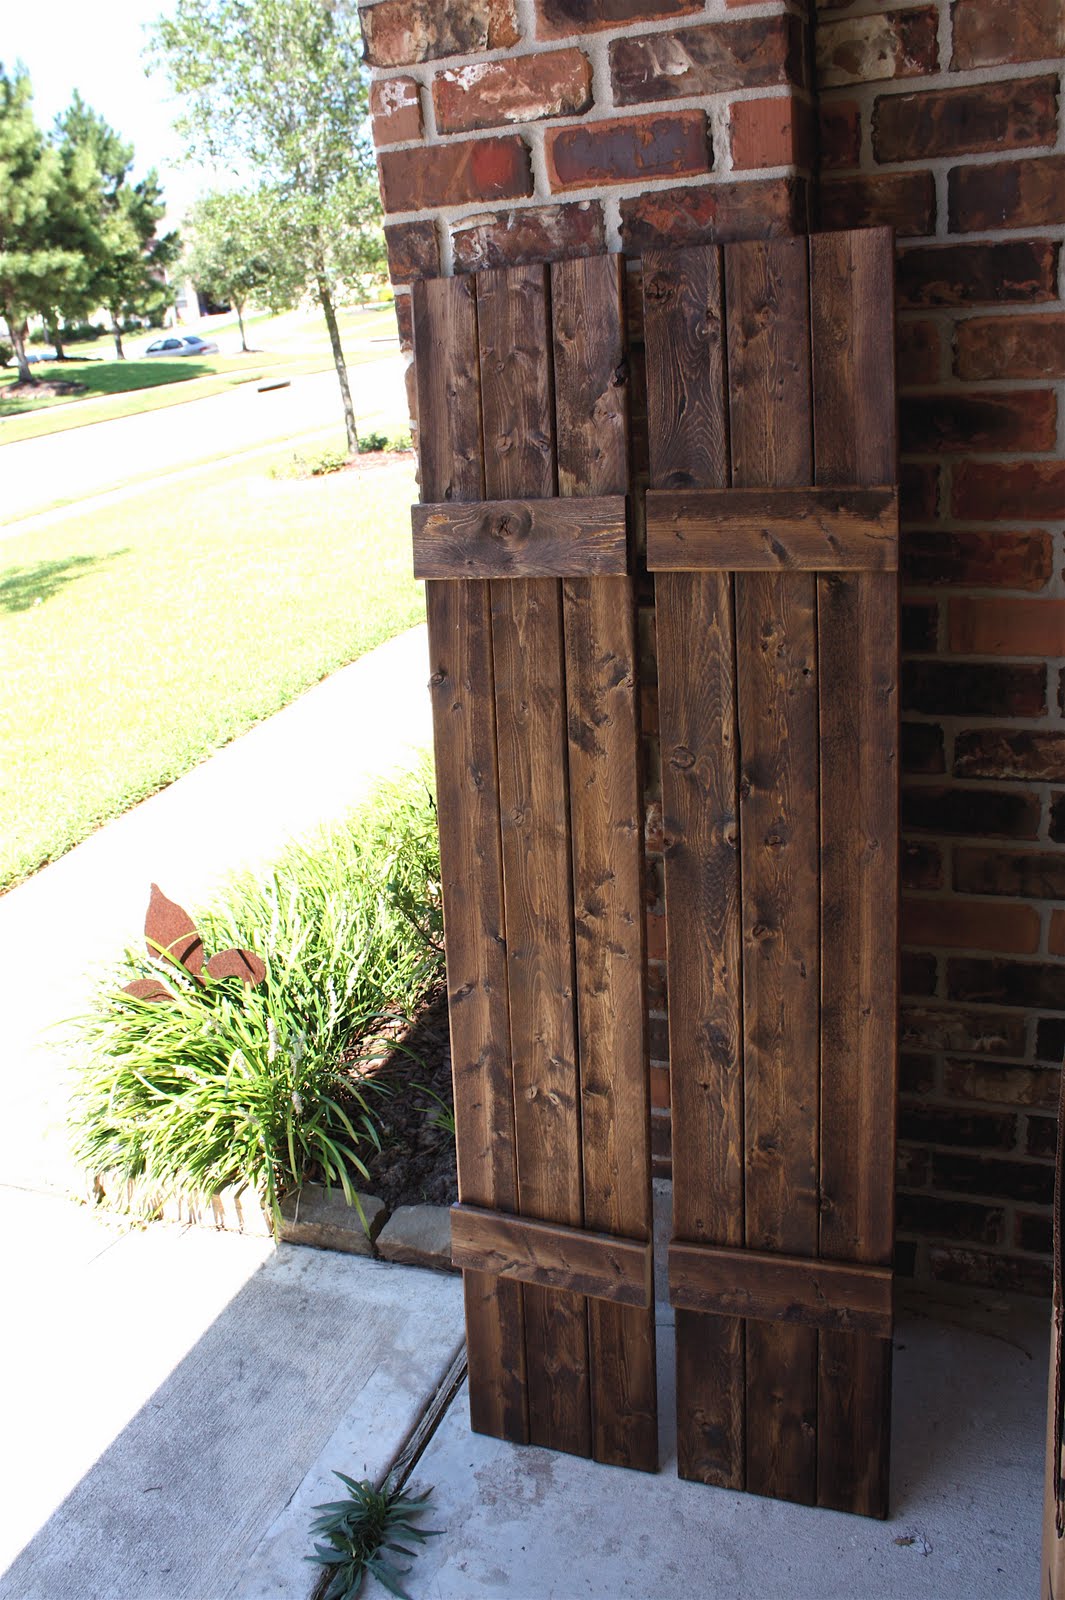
517, 130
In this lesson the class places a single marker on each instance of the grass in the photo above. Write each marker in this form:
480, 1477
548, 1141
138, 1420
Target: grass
275, 1084
137, 639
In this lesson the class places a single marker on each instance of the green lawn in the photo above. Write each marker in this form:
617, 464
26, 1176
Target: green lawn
136, 640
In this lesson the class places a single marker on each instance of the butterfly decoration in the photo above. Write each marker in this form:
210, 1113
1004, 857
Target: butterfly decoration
172, 937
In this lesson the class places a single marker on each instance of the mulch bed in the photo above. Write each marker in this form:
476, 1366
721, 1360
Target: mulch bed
44, 389
416, 1163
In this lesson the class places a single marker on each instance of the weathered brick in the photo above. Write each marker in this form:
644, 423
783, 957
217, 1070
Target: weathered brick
656, 937
840, 137
1010, 753
922, 748
706, 60
1050, 1040
917, 1074
1033, 1232
891, 44
904, 1258
453, 174
917, 352
1014, 1085
990, 1033
963, 688
488, 94
661, 1143
918, 974
1011, 346
1056, 824
1020, 271
396, 110
558, 19
534, 233
998, 982
660, 1088
1041, 1137
919, 626
405, 321
396, 33
970, 925
1056, 934
912, 1166
1005, 626
1035, 874
991, 560
918, 490
988, 33
978, 420
770, 133
984, 813
991, 116
670, 218
993, 1177
950, 1219
905, 201
1007, 194
658, 1039
921, 865
999, 491
674, 144
413, 251
983, 1269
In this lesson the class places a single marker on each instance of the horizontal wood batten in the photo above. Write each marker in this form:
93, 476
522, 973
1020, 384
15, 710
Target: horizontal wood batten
772, 1288
802, 530
565, 538
553, 1256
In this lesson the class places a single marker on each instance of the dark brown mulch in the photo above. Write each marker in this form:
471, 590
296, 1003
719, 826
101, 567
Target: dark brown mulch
416, 1164
43, 389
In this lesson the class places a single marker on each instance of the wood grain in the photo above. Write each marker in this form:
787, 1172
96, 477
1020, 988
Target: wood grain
518, 420
854, 434
772, 529
460, 646
606, 812
781, 1289
521, 538
620, 1271
688, 429
767, 295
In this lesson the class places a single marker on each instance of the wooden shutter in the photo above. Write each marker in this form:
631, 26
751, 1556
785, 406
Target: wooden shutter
771, 526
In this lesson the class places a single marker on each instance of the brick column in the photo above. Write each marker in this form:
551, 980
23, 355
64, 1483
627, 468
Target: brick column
525, 130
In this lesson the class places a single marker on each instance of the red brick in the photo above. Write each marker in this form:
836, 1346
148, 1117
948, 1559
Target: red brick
995, 980
559, 19
977, 560
413, 251
840, 134
1011, 347
396, 109
890, 44
660, 1088
970, 925
1050, 1039
672, 144
978, 421
452, 174
1018, 491
989, 1033
1034, 1232
770, 133
706, 60
949, 1219
719, 211
1007, 194
988, 813
405, 321
917, 974
981, 1269
952, 122
396, 33
949, 1125
973, 688
919, 627
905, 201
1007, 627
984, 1082
656, 937
921, 865
918, 491
1056, 936
922, 748
1021, 271
1017, 753
917, 351
1033, 874
488, 94
533, 233
988, 33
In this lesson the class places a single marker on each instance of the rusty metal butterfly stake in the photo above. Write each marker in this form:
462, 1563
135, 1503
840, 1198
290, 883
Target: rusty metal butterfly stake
173, 938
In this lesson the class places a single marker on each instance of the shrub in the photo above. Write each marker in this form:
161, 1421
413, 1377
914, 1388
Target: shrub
6, 353
272, 1086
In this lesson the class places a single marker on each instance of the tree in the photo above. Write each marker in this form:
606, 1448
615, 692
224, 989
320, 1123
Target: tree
278, 86
229, 258
35, 269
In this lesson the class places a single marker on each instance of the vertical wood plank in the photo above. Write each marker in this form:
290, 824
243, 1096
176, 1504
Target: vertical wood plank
854, 442
450, 446
591, 398
767, 296
513, 317
688, 427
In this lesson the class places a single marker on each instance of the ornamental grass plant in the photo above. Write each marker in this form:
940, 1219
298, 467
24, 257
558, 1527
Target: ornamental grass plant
272, 1086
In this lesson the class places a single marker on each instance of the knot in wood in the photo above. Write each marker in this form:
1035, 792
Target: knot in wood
682, 758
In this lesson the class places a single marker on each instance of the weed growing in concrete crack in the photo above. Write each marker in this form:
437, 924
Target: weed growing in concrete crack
361, 1534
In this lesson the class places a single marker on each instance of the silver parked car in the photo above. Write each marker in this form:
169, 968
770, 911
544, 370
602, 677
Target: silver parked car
184, 344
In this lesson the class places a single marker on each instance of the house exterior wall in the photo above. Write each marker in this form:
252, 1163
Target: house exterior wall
519, 130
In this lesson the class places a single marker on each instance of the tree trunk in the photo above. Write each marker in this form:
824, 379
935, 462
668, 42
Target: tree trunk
57, 341
116, 334
243, 336
326, 296
17, 331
